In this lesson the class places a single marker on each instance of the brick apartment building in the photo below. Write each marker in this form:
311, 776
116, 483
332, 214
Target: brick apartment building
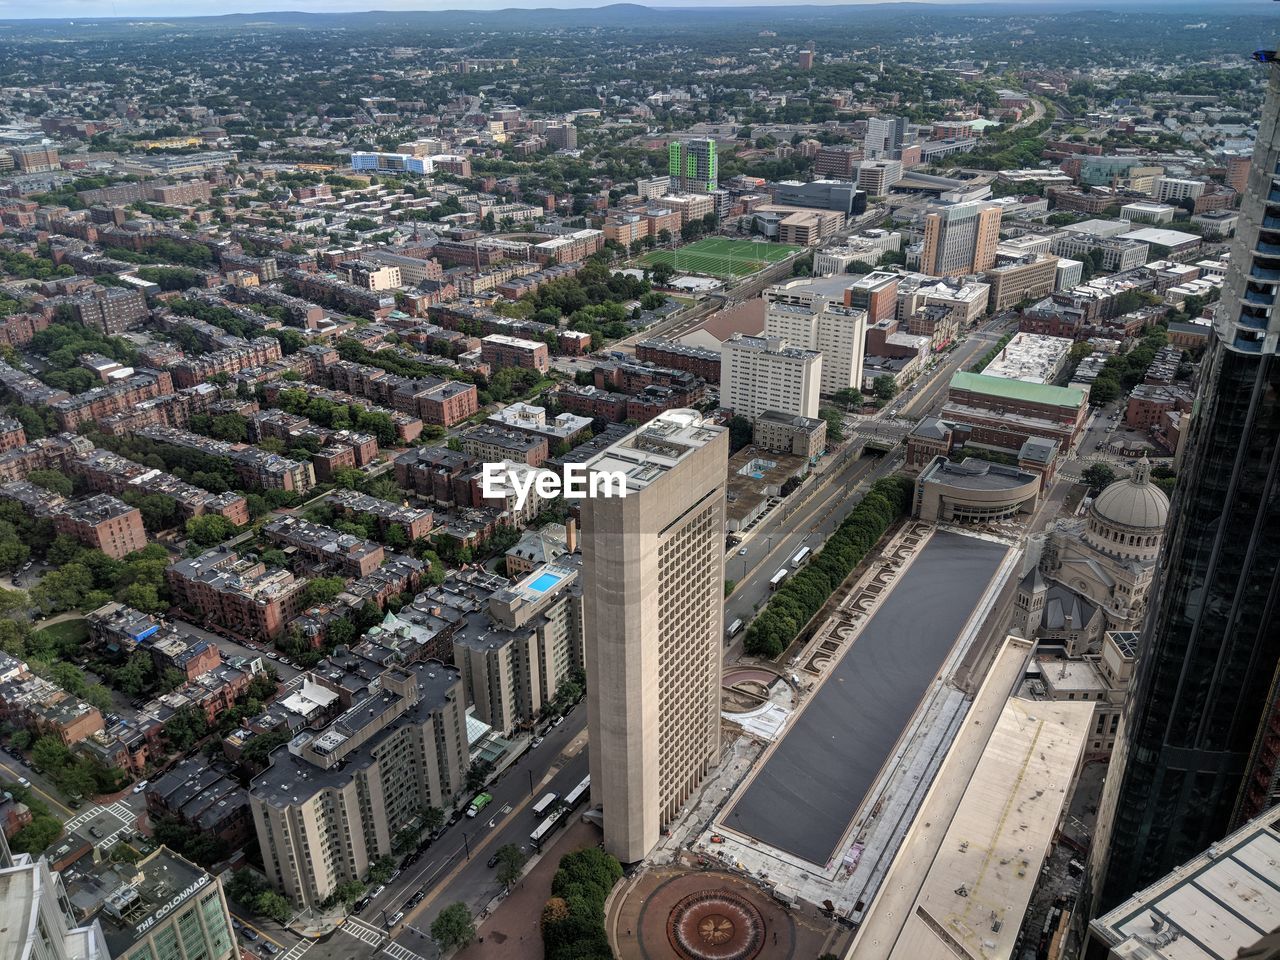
243, 597
111, 310
103, 523
500, 351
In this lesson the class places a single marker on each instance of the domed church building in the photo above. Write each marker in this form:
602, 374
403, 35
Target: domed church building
1095, 570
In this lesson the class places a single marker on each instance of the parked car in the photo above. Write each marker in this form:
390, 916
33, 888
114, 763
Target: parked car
269, 948
24, 781
360, 904
249, 934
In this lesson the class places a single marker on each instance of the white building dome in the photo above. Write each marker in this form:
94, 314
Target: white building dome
1127, 519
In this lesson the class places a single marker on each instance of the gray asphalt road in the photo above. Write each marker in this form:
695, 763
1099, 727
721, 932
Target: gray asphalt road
809, 789
783, 534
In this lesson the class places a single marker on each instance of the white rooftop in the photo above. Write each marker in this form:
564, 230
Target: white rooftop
1211, 906
979, 877
1032, 357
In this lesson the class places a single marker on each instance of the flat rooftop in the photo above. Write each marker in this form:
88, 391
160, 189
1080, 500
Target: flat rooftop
981, 876
834, 750
656, 448
1211, 906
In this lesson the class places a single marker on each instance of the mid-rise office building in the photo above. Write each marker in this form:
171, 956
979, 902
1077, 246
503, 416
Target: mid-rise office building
692, 164
1199, 750
1176, 189
960, 237
813, 315
764, 373
391, 163
653, 590
877, 176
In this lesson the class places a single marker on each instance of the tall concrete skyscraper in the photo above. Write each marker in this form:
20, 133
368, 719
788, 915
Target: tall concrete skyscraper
653, 614
960, 237
692, 165
1200, 735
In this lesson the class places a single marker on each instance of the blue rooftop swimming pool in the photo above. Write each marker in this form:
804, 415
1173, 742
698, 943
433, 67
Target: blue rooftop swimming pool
545, 582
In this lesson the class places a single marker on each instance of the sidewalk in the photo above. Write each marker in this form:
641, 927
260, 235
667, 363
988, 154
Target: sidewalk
512, 933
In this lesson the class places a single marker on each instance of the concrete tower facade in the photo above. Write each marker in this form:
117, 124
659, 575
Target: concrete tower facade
653, 611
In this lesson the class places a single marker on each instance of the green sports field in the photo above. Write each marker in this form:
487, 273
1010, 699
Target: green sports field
722, 257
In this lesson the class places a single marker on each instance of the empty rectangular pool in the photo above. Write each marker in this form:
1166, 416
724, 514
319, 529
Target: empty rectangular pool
544, 582
804, 798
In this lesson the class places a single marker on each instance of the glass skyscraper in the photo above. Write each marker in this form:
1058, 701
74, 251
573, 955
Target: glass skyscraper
1201, 729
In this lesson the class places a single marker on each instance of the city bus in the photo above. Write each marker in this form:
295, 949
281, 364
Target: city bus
542, 806
777, 579
801, 556
574, 796
545, 828
735, 628
479, 803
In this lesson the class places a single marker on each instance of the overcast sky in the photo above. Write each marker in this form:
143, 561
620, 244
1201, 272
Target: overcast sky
23, 9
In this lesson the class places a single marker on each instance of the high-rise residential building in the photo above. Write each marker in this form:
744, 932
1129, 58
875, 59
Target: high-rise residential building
166, 906
653, 591
562, 136
764, 373
334, 800
692, 165
884, 137
960, 237
1199, 751
813, 315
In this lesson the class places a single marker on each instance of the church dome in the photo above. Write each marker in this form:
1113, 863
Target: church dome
1133, 503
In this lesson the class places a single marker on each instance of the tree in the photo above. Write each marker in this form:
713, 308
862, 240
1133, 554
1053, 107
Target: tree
453, 927
52, 480
1098, 476
850, 397
349, 892
322, 590
478, 774
271, 904
885, 388
662, 273
740, 433
432, 818
209, 529
511, 861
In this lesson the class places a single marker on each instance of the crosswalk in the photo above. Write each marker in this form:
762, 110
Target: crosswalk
297, 950
364, 932
398, 952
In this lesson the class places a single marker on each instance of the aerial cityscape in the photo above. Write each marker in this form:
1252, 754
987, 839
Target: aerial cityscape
618, 482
